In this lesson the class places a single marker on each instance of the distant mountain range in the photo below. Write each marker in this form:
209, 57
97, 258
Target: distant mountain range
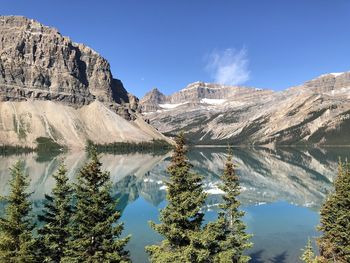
52, 87
314, 113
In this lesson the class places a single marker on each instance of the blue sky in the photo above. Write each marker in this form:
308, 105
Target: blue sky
169, 44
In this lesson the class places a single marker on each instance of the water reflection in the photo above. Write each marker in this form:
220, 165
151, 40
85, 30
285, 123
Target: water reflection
282, 190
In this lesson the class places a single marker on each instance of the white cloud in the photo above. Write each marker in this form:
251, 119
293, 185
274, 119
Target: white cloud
229, 67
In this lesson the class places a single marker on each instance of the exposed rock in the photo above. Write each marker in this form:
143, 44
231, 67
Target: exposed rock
151, 101
196, 92
37, 62
53, 87
22, 122
317, 112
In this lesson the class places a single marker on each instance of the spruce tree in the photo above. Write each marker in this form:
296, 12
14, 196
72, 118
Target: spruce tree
226, 238
181, 219
95, 230
308, 255
16, 241
334, 243
54, 235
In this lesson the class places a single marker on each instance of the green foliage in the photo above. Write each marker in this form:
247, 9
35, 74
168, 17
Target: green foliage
154, 146
334, 244
16, 241
181, 219
308, 255
54, 235
6, 150
95, 231
47, 144
47, 148
226, 238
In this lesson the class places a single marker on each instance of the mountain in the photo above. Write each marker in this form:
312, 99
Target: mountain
316, 112
53, 87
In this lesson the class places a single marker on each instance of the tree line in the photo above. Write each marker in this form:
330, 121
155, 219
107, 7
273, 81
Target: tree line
81, 223
155, 146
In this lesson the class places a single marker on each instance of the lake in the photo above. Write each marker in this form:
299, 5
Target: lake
282, 191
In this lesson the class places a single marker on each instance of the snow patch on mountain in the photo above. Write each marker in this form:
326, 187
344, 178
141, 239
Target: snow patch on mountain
213, 101
171, 105
336, 74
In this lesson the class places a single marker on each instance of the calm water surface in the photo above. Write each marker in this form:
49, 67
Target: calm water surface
282, 191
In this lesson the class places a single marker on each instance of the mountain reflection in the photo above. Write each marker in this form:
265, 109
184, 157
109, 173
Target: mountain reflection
297, 175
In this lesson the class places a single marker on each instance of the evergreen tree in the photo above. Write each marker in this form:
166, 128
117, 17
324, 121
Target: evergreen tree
226, 238
54, 235
95, 231
334, 244
308, 255
16, 241
181, 219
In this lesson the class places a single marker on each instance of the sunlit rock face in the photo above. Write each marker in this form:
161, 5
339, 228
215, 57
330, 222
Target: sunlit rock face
37, 62
316, 112
299, 176
53, 87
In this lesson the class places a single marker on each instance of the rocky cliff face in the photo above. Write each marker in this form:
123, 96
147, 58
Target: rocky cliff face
152, 99
199, 93
53, 87
37, 62
317, 112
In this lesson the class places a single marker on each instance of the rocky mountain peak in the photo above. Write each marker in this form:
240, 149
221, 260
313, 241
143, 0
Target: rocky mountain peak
196, 84
200, 93
37, 62
204, 85
155, 93
152, 99
329, 82
29, 26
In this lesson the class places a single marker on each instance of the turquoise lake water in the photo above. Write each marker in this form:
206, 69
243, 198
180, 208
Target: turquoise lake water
282, 191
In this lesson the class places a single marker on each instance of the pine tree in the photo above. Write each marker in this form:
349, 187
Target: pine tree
54, 235
95, 231
308, 255
181, 219
334, 243
226, 238
16, 241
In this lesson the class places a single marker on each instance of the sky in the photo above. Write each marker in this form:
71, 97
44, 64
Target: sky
167, 44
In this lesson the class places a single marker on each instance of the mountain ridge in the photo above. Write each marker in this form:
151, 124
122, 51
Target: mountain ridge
46, 77
311, 113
